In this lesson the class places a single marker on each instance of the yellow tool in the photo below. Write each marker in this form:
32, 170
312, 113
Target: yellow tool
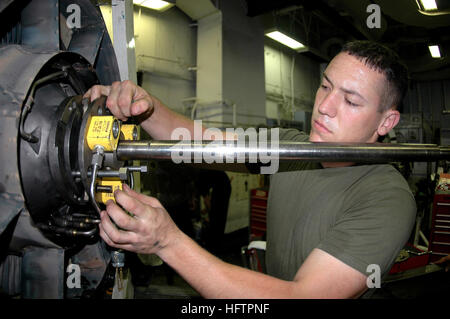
129, 132
103, 131
109, 186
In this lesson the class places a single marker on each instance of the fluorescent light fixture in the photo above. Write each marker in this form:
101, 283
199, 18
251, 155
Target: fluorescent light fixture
284, 39
154, 4
428, 5
434, 50
131, 44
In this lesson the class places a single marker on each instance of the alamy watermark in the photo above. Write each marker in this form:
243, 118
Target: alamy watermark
374, 19
242, 146
374, 279
74, 278
73, 20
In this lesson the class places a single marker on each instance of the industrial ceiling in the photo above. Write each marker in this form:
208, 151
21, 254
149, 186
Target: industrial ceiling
325, 25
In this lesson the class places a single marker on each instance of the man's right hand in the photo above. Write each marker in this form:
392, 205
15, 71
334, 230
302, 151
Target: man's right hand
125, 99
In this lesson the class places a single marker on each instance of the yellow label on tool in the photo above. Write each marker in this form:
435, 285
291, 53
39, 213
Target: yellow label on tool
103, 131
103, 197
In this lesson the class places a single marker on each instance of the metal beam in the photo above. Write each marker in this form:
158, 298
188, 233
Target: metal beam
123, 38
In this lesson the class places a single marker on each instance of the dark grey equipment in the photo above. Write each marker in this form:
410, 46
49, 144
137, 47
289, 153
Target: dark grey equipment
45, 220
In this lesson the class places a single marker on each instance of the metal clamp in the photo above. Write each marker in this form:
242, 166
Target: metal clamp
97, 160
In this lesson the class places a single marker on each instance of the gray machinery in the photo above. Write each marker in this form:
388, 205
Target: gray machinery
46, 218
52, 168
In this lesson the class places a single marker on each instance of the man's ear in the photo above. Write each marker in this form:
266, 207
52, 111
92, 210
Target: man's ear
390, 120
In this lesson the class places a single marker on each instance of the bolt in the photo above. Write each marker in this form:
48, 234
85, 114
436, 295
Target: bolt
85, 103
123, 173
115, 128
118, 259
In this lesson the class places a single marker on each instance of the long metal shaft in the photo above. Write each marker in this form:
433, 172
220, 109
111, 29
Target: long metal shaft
234, 152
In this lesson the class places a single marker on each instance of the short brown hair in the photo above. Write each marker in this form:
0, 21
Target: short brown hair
385, 61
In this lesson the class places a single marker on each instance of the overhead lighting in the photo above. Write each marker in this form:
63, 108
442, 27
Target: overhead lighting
154, 4
131, 44
284, 39
434, 50
428, 5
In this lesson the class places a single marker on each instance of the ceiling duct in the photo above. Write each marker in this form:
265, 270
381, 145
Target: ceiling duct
196, 9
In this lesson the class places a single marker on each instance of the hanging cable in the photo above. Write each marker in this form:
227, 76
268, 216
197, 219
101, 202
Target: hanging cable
29, 103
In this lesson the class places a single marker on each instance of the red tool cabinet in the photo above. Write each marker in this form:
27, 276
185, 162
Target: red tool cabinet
440, 226
258, 207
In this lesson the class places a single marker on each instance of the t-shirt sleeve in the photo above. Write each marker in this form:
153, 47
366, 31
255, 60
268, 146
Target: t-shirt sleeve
291, 134
374, 229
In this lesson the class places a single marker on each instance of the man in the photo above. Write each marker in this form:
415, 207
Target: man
329, 225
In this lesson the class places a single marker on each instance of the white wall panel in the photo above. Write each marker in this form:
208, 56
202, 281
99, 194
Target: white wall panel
280, 69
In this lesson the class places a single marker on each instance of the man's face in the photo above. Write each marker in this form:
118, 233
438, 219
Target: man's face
347, 102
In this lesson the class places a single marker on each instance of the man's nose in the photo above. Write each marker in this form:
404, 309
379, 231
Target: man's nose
328, 105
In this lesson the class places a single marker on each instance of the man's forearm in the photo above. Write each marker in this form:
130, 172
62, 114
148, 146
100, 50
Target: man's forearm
213, 278
164, 121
